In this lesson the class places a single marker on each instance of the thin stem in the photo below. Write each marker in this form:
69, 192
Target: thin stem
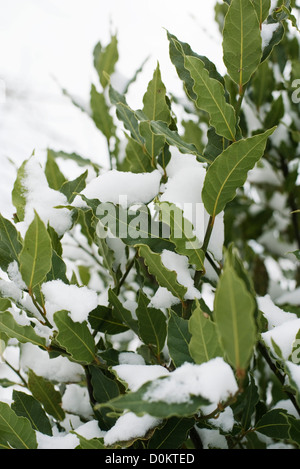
208, 233
128, 269
15, 371
278, 374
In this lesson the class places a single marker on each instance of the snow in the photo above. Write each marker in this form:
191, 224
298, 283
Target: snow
292, 298
136, 375
180, 265
65, 441
267, 31
130, 426
124, 188
184, 187
294, 370
212, 439
224, 420
42, 199
163, 298
130, 358
15, 275
79, 301
274, 315
9, 289
213, 380
283, 335
76, 400
58, 369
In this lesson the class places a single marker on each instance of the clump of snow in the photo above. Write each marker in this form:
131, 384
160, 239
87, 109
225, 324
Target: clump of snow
180, 264
42, 199
9, 289
136, 375
284, 336
267, 32
76, 401
130, 426
58, 369
15, 275
124, 188
163, 298
131, 358
292, 298
213, 380
65, 441
90, 430
274, 315
294, 370
79, 301
224, 421
184, 188
212, 439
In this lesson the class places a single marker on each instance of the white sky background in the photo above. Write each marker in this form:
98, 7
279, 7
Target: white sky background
43, 39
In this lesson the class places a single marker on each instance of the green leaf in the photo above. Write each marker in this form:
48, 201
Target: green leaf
102, 319
126, 114
36, 255
263, 84
152, 323
104, 388
154, 100
137, 157
234, 309
241, 41
10, 243
71, 188
44, 392
53, 174
204, 344
244, 408
94, 443
14, 430
275, 114
165, 277
153, 143
229, 171
178, 50
106, 59
172, 434
181, 234
121, 313
262, 8
274, 424
75, 337
100, 113
19, 193
211, 98
137, 403
27, 406
178, 339
172, 138
23, 334
215, 145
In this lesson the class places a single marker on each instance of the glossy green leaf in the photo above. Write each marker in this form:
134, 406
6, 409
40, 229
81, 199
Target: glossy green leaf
234, 309
241, 41
53, 174
75, 337
105, 60
71, 188
15, 431
178, 339
274, 424
36, 255
229, 171
173, 138
137, 156
262, 8
100, 113
211, 98
10, 243
172, 434
102, 319
23, 334
44, 392
182, 234
152, 323
204, 344
18, 192
165, 277
27, 406
154, 100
